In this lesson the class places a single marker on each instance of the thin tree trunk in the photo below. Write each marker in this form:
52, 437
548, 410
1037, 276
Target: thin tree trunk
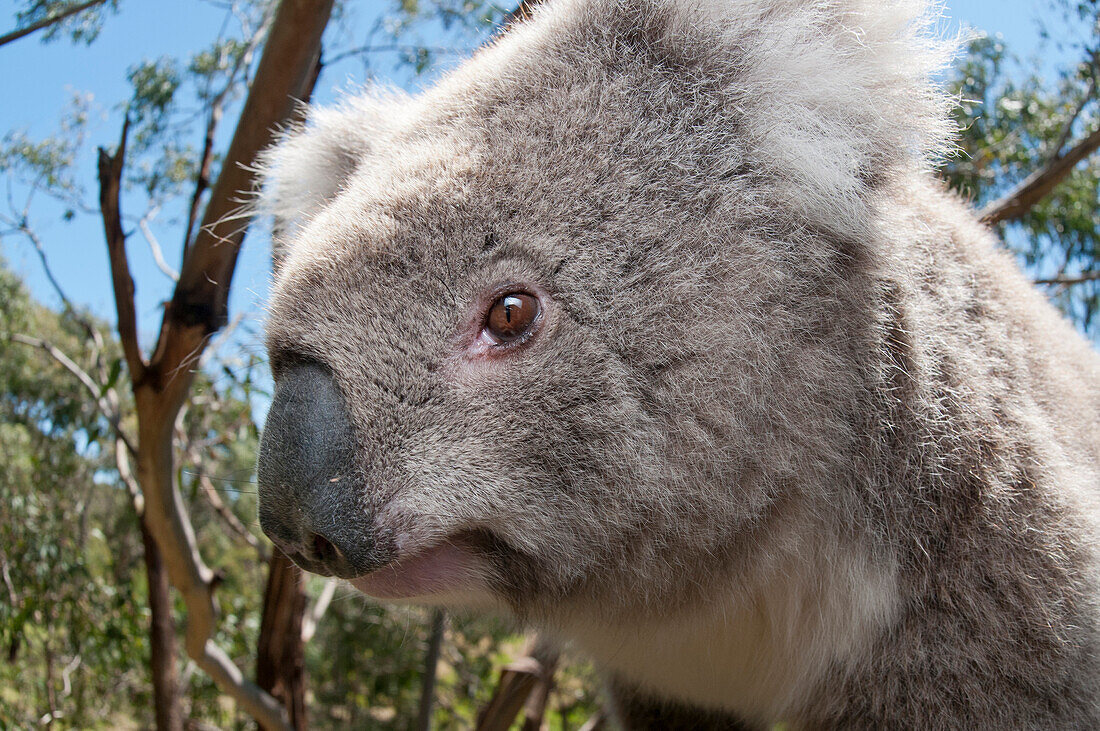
280, 652
162, 639
431, 662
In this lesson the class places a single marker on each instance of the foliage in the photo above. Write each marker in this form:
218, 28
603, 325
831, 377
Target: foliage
83, 27
425, 35
73, 617
1014, 120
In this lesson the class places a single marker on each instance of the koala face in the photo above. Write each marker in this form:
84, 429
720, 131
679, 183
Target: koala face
492, 441
574, 326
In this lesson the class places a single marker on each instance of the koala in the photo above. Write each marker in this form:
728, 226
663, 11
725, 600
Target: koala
650, 327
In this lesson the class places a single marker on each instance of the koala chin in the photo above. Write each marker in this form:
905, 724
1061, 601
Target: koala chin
651, 327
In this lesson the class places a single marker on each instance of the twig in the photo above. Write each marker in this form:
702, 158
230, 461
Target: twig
22, 227
45, 22
5, 572
126, 473
36, 242
154, 246
1068, 279
210, 491
105, 407
217, 107
66, 673
1067, 130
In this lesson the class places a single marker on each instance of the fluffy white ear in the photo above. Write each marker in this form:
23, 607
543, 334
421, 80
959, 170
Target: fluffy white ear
312, 161
841, 92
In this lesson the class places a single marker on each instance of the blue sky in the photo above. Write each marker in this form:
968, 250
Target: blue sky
39, 81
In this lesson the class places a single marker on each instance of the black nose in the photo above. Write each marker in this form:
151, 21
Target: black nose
311, 502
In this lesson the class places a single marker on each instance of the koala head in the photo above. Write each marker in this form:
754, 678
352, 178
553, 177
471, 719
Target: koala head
574, 327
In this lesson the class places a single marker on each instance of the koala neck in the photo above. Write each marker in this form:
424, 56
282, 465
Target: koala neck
768, 638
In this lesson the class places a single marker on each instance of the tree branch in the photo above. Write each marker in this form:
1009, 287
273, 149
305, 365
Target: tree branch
1039, 184
313, 616
1068, 279
126, 472
210, 491
1067, 129
36, 242
154, 246
46, 22
110, 185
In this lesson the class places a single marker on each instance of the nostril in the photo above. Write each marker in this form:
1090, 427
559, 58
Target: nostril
324, 551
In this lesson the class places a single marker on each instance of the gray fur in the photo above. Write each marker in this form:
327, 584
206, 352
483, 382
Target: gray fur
795, 442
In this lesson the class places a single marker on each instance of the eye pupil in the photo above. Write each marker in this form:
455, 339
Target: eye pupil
511, 316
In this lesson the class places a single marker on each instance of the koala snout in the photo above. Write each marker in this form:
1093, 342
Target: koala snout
310, 496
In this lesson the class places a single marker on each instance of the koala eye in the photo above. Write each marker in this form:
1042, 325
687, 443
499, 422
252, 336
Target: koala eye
511, 317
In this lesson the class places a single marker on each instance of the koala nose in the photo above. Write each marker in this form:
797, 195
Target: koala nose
310, 502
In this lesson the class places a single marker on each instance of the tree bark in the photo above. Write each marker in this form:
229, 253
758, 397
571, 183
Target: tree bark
162, 639
524, 684
280, 655
535, 707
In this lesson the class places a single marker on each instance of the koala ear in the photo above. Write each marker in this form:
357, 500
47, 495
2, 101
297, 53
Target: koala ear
834, 96
313, 160
838, 94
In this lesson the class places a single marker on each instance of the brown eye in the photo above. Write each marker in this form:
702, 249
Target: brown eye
511, 316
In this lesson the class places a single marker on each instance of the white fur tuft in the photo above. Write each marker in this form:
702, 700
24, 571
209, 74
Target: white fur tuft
838, 93
313, 160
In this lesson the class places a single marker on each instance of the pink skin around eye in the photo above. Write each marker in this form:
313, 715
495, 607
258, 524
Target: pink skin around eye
443, 569
475, 343
483, 344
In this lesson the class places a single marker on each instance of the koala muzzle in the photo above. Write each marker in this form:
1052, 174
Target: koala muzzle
310, 496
